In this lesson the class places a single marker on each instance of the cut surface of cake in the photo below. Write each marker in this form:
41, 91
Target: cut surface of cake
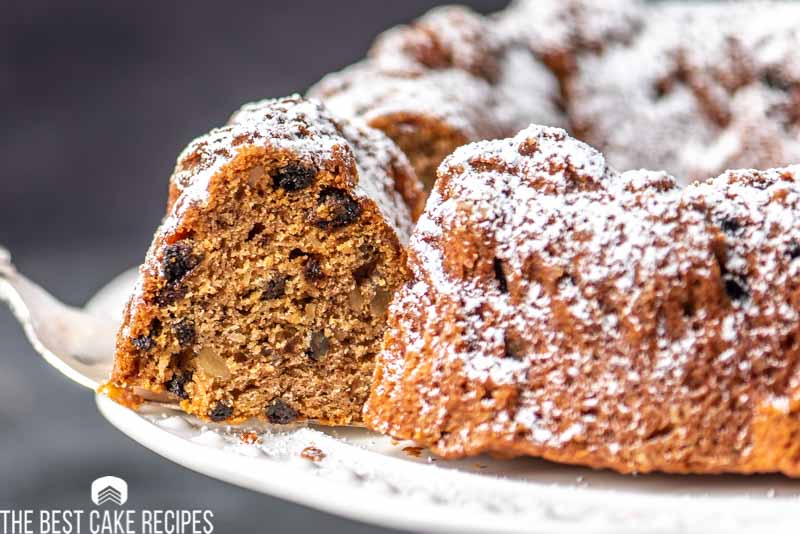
264, 292
558, 308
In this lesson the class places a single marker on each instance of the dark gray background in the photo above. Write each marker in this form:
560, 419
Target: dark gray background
97, 99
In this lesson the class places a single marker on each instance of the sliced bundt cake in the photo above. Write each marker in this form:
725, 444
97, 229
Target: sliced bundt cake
560, 309
264, 292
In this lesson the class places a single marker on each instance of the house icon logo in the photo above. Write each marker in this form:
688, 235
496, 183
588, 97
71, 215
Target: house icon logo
109, 490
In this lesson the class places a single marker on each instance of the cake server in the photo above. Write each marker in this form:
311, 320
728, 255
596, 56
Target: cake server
78, 344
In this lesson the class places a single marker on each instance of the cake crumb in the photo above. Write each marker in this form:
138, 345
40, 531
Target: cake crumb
250, 438
413, 451
313, 454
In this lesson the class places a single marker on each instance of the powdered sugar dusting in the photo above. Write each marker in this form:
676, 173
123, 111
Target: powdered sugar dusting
446, 96
555, 27
593, 294
703, 88
295, 125
306, 130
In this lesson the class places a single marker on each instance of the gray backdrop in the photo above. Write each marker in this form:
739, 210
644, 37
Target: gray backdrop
97, 100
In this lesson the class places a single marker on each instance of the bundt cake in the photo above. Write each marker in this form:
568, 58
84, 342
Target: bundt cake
264, 292
550, 305
447, 79
558, 308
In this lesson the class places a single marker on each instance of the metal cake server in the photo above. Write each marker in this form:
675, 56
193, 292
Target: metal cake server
78, 344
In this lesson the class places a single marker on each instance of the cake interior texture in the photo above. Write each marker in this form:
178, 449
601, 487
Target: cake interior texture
268, 298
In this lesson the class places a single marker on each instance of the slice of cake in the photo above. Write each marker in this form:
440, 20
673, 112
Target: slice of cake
560, 309
264, 292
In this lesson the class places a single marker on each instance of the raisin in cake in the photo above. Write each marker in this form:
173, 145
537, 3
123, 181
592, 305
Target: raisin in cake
264, 292
558, 308
447, 79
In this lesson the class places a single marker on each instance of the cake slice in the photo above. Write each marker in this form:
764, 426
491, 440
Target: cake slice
558, 308
264, 292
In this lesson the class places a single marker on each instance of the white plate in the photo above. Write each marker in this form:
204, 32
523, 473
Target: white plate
370, 478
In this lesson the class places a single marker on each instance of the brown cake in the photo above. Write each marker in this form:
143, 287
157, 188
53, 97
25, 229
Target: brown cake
558, 308
264, 292
449, 78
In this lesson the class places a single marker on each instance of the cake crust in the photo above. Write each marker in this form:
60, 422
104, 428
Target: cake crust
558, 308
708, 87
